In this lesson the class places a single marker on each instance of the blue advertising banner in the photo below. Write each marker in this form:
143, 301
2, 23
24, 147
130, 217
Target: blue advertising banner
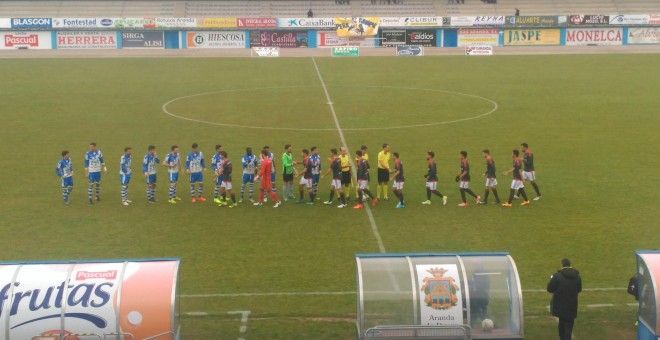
31, 23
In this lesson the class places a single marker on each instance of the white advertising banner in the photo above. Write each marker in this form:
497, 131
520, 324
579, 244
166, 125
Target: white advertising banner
26, 39
439, 295
306, 22
76, 22
410, 21
479, 50
176, 22
216, 39
644, 35
330, 39
86, 39
494, 20
638, 19
467, 37
266, 51
594, 36
5, 22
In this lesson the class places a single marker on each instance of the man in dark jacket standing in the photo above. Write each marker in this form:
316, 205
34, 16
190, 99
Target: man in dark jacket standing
565, 285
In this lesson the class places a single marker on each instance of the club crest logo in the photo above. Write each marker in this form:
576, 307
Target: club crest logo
440, 291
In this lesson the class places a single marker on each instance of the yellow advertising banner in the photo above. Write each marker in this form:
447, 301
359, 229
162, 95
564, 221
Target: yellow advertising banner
217, 22
532, 37
357, 27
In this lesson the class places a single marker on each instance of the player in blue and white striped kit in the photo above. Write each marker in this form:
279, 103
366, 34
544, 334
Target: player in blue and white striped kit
173, 163
125, 172
93, 162
149, 170
316, 170
194, 166
216, 166
249, 163
64, 171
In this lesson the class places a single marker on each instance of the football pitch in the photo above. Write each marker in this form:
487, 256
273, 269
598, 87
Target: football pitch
591, 120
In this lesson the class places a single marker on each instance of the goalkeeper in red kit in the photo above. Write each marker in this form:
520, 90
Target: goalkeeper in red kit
266, 185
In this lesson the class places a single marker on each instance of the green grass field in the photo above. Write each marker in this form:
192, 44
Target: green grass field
591, 121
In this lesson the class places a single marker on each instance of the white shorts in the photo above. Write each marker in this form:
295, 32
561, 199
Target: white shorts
529, 175
226, 185
306, 181
464, 184
491, 182
336, 183
516, 184
432, 185
363, 184
397, 186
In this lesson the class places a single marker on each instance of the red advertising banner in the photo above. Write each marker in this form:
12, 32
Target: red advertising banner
257, 22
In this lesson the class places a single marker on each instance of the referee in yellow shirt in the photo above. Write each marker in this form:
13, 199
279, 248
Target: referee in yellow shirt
366, 158
346, 177
383, 171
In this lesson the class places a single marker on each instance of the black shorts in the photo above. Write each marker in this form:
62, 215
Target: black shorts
346, 177
287, 177
383, 175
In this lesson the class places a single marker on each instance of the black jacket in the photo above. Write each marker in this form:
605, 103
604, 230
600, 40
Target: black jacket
565, 285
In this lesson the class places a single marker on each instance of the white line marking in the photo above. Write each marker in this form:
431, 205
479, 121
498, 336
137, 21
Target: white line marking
196, 314
374, 228
584, 290
633, 304
600, 305
244, 320
164, 108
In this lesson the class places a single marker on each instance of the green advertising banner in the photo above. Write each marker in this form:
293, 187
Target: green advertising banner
345, 51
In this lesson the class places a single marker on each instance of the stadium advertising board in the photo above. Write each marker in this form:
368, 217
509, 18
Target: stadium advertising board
31, 39
639, 19
524, 21
136, 297
409, 51
479, 50
76, 22
279, 39
410, 21
31, 23
256, 22
496, 20
654, 19
532, 37
108, 22
86, 39
644, 35
330, 39
135, 23
206, 39
391, 38
142, 39
306, 22
345, 51
421, 37
216, 22
357, 27
478, 36
589, 19
176, 22
266, 51
594, 36
5, 23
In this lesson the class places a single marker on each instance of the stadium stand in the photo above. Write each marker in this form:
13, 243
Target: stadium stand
321, 8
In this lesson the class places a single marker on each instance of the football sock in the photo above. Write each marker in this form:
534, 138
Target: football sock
172, 191
315, 188
192, 190
378, 189
521, 191
437, 193
497, 197
64, 194
200, 189
312, 196
124, 192
359, 197
486, 195
274, 187
233, 198
401, 197
469, 191
251, 190
90, 191
463, 195
536, 188
332, 195
385, 191
284, 194
428, 194
369, 193
342, 197
302, 194
513, 192
98, 189
216, 190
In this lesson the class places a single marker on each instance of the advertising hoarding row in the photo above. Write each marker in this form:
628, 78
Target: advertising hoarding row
419, 37
279, 38
594, 36
521, 37
86, 40
331, 39
644, 35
